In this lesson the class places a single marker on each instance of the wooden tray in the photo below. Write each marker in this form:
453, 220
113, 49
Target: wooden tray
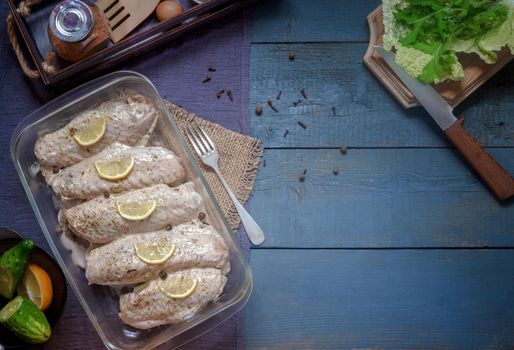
149, 35
476, 71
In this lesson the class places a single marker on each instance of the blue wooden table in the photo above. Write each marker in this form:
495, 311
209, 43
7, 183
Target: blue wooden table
404, 248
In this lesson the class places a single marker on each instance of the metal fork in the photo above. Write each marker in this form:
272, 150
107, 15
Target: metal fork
208, 153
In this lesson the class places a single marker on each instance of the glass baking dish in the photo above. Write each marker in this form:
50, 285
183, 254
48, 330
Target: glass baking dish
99, 302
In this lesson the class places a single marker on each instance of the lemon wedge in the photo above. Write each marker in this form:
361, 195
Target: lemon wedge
115, 169
92, 133
37, 286
136, 211
178, 287
155, 253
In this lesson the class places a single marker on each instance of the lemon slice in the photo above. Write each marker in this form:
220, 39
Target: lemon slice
115, 169
36, 285
178, 287
155, 253
92, 133
136, 211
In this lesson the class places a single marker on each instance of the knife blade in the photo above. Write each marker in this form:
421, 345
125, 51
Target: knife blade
435, 105
498, 180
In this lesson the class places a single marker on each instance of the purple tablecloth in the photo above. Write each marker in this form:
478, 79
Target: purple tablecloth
177, 70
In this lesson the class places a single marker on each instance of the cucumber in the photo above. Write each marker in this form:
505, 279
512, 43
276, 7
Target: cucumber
12, 267
25, 321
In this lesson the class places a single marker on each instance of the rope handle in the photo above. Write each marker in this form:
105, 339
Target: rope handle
48, 64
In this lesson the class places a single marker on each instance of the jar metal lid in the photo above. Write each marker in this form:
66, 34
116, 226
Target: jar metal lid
71, 21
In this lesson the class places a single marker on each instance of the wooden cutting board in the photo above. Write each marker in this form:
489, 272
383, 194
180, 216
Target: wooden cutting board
476, 71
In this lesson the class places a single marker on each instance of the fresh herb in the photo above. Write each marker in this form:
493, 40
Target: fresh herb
436, 28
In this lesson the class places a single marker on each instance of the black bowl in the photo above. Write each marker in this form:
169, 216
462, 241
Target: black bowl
9, 238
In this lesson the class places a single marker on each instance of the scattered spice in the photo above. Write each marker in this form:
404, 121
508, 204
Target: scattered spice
270, 103
72, 131
303, 94
258, 110
335, 170
286, 131
219, 93
229, 94
168, 227
106, 195
211, 69
279, 94
163, 275
55, 170
302, 175
343, 150
264, 163
292, 56
302, 124
201, 216
334, 110
501, 123
206, 79
297, 102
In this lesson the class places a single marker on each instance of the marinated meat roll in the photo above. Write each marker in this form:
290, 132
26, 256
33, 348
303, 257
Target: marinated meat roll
128, 120
117, 263
152, 165
150, 307
99, 221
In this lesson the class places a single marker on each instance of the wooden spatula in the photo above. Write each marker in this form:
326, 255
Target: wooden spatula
124, 16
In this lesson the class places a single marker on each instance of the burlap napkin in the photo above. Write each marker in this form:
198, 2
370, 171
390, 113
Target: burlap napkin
239, 160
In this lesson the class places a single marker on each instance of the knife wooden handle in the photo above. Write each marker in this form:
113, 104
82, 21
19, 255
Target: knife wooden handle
498, 180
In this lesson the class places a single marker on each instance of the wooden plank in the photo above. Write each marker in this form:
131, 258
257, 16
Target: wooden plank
380, 198
366, 114
381, 299
304, 20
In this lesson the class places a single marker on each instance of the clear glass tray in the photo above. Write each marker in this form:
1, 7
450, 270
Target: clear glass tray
99, 302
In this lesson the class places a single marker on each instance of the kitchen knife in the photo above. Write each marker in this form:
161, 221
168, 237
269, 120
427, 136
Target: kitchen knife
498, 180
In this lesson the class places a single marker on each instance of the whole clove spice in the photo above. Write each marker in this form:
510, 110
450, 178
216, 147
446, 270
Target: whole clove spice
302, 124
291, 56
297, 102
219, 93
211, 69
206, 79
303, 94
302, 175
335, 170
334, 110
343, 150
229, 94
270, 103
286, 131
258, 110
279, 94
